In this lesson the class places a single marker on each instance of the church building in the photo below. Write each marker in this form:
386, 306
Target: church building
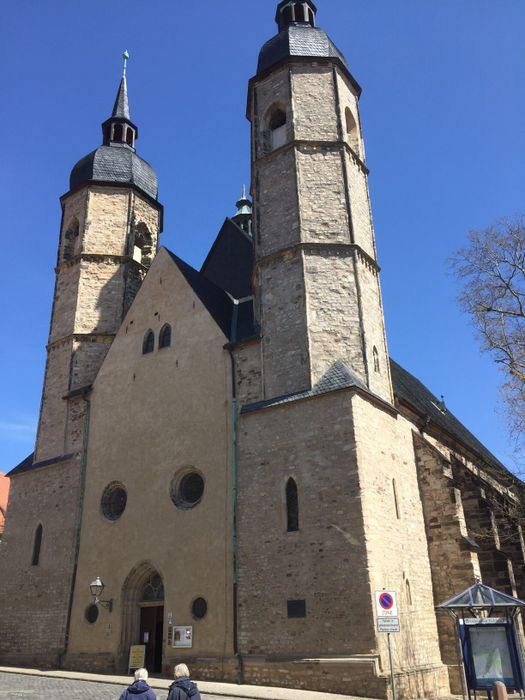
231, 450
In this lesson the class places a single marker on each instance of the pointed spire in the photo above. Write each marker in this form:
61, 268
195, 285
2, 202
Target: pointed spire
121, 107
244, 206
243, 217
119, 129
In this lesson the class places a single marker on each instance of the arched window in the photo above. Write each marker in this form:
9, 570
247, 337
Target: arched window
117, 133
396, 502
277, 119
277, 128
352, 133
37, 544
288, 14
292, 506
148, 344
299, 12
71, 239
376, 360
165, 336
129, 136
142, 249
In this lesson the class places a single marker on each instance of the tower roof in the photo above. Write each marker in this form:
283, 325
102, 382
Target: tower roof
116, 161
121, 107
298, 36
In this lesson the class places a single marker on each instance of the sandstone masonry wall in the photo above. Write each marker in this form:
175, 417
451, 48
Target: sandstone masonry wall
34, 598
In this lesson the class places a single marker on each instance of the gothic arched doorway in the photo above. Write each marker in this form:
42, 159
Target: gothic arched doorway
143, 614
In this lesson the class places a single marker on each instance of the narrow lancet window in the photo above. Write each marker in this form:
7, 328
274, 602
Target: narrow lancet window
37, 546
117, 133
396, 502
299, 12
165, 336
376, 360
408, 592
292, 507
277, 124
129, 136
148, 344
352, 131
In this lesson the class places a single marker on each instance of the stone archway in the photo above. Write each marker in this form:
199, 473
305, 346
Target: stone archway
142, 604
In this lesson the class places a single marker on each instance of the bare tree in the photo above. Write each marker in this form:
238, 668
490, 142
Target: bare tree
491, 270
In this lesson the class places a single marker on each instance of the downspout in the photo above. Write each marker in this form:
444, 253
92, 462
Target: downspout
235, 471
78, 525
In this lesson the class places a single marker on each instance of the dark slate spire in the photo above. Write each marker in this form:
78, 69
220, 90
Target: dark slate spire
116, 160
119, 128
121, 107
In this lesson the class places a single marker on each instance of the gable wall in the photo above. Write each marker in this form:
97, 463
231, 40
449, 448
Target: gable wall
152, 416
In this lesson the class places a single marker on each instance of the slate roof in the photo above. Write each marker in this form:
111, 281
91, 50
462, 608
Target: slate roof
411, 391
24, 466
115, 163
298, 41
229, 263
121, 106
338, 376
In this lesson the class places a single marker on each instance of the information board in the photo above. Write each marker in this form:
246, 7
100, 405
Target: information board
137, 655
183, 636
388, 624
491, 654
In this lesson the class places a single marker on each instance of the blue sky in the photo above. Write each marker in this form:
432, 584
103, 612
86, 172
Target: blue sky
442, 110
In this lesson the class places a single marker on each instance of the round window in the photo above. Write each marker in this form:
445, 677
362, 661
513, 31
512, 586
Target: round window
91, 613
113, 501
187, 490
199, 608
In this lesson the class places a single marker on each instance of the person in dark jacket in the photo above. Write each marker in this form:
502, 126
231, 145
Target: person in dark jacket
183, 688
139, 690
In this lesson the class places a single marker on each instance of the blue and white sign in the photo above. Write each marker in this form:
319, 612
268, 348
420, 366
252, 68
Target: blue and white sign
386, 604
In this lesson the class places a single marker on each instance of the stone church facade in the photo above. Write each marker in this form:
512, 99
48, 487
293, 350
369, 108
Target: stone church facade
231, 449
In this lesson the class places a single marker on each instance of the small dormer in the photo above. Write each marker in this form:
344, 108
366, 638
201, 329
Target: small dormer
291, 12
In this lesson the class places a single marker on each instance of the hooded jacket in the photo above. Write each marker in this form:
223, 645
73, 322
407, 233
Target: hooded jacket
182, 689
139, 690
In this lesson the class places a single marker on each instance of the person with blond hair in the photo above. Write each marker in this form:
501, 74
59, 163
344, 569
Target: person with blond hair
183, 688
139, 690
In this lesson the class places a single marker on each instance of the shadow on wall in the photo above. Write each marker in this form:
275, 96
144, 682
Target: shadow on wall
4, 497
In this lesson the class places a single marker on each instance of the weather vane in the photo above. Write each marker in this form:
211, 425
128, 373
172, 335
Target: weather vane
125, 56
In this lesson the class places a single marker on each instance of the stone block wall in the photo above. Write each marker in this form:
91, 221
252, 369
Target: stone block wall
285, 351
454, 561
34, 599
323, 563
396, 544
311, 200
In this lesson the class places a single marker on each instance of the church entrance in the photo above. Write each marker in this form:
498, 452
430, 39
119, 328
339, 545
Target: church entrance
151, 624
143, 615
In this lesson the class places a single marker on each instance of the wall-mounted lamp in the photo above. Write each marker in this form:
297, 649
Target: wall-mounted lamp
96, 587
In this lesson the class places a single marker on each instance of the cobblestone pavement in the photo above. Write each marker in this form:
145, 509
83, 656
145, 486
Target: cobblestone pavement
39, 688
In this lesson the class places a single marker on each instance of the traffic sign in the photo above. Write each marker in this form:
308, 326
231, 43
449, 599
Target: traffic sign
388, 624
386, 604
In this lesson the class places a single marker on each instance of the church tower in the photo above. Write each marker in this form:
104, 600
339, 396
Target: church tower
111, 221
317, 276
321, 448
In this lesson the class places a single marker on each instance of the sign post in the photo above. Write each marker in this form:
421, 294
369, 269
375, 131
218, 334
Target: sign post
388, 621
